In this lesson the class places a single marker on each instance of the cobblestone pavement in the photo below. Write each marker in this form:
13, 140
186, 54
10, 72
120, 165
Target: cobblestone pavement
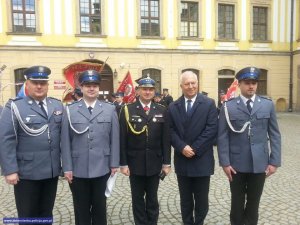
280, 201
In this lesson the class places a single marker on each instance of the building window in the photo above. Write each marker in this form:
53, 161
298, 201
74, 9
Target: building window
90, 16
226, 21
23, 16
262, 83
155, 74
19, 78
189, 26
260, 23
150, 21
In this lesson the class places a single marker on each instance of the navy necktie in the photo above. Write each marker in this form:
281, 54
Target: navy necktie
41, 104
249, 106
90, 108
189, 107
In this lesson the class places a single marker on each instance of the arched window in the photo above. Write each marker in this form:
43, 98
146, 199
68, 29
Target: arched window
155, 74
262, 83
19, 78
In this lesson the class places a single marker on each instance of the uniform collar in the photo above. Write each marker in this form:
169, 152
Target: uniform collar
244, 99
92, 105
44, 102
149, 104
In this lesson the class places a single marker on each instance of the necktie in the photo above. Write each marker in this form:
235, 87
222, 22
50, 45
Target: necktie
146, 108
249, 106
90, 108
41, 104
189, 107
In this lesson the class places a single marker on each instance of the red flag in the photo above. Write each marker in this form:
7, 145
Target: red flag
231, 90
127, 88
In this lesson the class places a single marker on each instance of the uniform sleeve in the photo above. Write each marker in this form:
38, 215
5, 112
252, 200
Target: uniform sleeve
275, 139
115, 141
166, 140
8, 141
223, 139
123, 138
66, 144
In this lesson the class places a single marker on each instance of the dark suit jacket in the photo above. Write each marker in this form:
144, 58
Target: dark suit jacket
199, 131
145, 154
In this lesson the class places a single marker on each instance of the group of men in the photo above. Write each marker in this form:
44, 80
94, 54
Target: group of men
92, 142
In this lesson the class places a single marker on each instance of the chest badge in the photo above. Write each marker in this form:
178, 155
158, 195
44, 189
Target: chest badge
27, 119
154, 119
139, 120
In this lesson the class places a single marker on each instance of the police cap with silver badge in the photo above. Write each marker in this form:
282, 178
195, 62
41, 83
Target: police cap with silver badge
146, 82
89, 76
248, 73
37, 73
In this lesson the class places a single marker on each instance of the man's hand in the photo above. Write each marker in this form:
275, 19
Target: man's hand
166, 169
113, 171
125, 170
229, 171
12, 178
188, 151
69, 176
270, 170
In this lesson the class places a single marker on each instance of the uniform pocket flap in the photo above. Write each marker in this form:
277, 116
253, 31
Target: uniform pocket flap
78, 120
237, 117
32, 120
105, 119
263, 115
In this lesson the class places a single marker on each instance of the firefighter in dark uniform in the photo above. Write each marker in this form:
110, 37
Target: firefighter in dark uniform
145, 151
167, 99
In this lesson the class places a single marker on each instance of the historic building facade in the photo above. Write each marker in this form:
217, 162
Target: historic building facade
214, 38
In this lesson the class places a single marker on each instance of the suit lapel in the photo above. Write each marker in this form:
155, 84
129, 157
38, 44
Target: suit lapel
241, 106
256, 105
35, 107
97, 110
83, 110
50, 107
197, 102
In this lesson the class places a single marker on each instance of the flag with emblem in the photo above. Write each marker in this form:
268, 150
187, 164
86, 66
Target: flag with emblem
231, 91
127, 88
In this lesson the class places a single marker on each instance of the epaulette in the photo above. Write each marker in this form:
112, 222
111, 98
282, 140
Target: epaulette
228, 100
110, 103
15, 99
265, 97
55, 99
71, 103
161, 105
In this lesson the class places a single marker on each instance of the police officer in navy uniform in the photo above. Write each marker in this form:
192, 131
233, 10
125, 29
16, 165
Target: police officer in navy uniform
90, 150
30, 146
167, 99
249, 146
145, 151
119, 101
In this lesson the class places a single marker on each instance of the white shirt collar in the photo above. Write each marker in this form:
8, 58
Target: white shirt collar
44, 102
92, 105
149, 104
193, 99
246, 99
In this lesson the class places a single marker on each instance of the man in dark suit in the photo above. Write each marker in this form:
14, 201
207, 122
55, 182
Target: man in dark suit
90, 150
145, 151
249, 146
193, 122
30, 146
167, 99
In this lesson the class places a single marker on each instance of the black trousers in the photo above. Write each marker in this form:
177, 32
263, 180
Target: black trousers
144, 199
89, 200
246, 190
193, 199
35, 198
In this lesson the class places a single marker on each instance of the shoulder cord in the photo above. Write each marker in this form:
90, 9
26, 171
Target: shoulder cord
70, 122
145, 128
230, 125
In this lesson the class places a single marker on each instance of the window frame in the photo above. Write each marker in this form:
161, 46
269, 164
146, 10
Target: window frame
263, 79
10, 20
266, 5
234, 3
102, 33
139, 26
199, 19
18, 73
